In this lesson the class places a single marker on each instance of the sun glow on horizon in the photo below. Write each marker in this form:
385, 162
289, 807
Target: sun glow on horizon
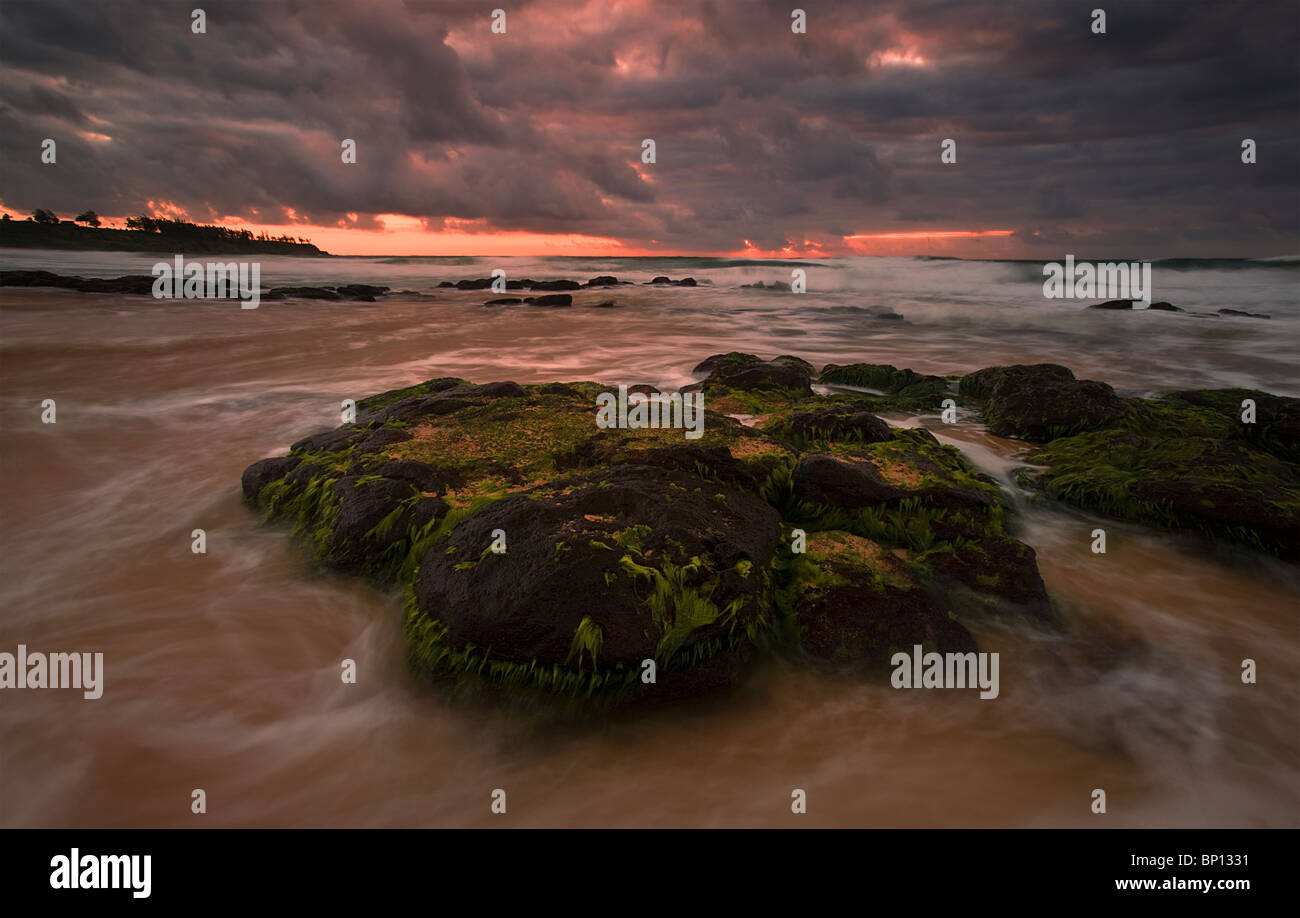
930, 234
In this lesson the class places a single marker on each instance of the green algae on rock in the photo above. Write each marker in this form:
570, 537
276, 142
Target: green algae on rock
899, 389
634, 551
856, 604
1187, 460
1220, 486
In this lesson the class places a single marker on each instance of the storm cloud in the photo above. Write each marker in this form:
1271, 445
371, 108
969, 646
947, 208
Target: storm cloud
1124, 143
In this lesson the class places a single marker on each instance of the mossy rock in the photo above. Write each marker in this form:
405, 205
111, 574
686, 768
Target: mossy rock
995, 576
910, 464
627, 545
842, 423
1041, 402
668, 567
857, 603
1223, 487
426, 388
783, 378
900, 389
1276, 428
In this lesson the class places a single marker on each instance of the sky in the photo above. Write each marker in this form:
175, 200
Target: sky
767, 142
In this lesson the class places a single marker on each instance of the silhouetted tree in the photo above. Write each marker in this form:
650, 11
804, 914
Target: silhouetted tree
89, 217
41, 215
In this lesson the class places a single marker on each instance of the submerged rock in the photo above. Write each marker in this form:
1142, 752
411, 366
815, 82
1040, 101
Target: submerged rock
1243, 314
1112, 304
552, 285
550, 299
301, 293
131, 284
362, 290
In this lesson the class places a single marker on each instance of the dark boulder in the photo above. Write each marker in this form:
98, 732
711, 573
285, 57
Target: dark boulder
911, 464
821, 478
748, 372
374, 514
866, 605
995, 574
905, 388
1042, 401
654, 575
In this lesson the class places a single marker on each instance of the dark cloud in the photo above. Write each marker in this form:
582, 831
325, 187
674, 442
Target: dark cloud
1130, 139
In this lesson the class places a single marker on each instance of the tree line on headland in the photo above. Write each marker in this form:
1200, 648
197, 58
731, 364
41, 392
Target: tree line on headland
44, 230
